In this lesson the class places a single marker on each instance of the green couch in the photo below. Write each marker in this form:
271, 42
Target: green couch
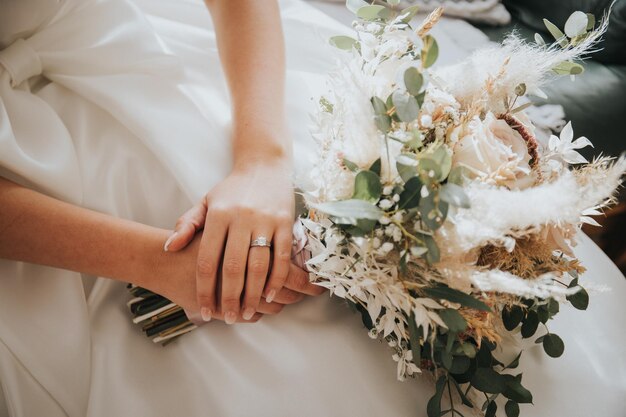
596, 101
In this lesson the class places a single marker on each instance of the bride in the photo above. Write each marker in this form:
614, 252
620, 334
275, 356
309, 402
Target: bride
115, 118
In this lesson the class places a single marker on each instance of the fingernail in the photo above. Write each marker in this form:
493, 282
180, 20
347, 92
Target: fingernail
230, 317
248, 313
270, 296
206, 313
169, 241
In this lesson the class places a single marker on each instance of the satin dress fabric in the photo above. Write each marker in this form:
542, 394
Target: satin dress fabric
122, 107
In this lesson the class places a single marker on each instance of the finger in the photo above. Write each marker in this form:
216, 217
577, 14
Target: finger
257, 269
233, 271
270, 308
287, 296
280, 263
186, 227
208, 264
298, 280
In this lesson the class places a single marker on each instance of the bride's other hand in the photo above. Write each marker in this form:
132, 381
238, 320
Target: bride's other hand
174, 276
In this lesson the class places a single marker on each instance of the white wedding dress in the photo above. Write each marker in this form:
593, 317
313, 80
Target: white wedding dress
122, 107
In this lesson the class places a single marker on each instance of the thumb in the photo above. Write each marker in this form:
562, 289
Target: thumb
186, 227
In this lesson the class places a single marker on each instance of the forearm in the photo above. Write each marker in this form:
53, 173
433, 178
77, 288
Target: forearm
38, 229
251, 46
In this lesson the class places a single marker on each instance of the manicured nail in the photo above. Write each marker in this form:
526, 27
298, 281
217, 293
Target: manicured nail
270, 296
169, 240
248, 313
230, 317
206, 314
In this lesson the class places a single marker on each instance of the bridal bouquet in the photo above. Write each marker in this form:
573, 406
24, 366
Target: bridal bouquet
438, 210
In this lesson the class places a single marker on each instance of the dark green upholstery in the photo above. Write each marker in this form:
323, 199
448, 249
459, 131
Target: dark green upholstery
596, 101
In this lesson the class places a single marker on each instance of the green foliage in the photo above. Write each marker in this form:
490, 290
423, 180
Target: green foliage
343, 42
488, 380
553, 345
413, 80
406, 106
453, 320
350, 210
511, 409
580, 299
433, 408
453, 194
430, 51
367, 187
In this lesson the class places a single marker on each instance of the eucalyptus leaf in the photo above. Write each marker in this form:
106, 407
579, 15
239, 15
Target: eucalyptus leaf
406, 106
343, 42
379, 105
454, 195
576, 24
512, 316
433, 254
555, 32
410, 197
416, 140
456, 296
375, 167
409, 13
511, 408
488, 380
530, 324
370, 12
453, 320
430, 167
430, 51
514, 390
515, 362
406, 171
492, 408
460, 364
367, 186
413, 80
580, 299
568, 68
433, 408
446, 359
520, 89
383, 122
553, 345
353, 209
457, 175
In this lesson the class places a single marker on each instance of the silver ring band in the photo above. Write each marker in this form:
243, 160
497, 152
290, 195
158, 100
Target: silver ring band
260, 241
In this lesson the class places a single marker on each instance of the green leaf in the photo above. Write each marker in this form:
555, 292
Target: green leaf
414, 339
443, 157
446, 358
367, 187
383, 122
455, 195
430, 51
460, 364
540, 339
426, 165
513, 390
492, 408
379, 105
543, 313
464, 398
469, 350
457, 175
355, 5
406, 171
433, 254
375, 167
433, 408
555, 32
453, 320
410, 197
576, 24
350, 165
553, 307
416, 141
568, 68
512, 316
413, 80
520, 89
553, 345
393, 2
351, 209
456, 296
343, 42
511, 408
530, 324
409, 13
406, 105
370, 12
488, 380
579, 300
591, 21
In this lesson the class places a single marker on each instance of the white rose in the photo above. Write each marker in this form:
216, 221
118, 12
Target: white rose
494, 152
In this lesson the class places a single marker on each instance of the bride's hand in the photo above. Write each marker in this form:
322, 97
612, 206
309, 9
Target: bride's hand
255, 200
175, 278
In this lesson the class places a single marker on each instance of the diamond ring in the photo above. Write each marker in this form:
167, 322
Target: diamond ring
260, 241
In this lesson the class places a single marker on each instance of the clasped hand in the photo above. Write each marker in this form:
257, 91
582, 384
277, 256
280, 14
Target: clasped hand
235, 281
